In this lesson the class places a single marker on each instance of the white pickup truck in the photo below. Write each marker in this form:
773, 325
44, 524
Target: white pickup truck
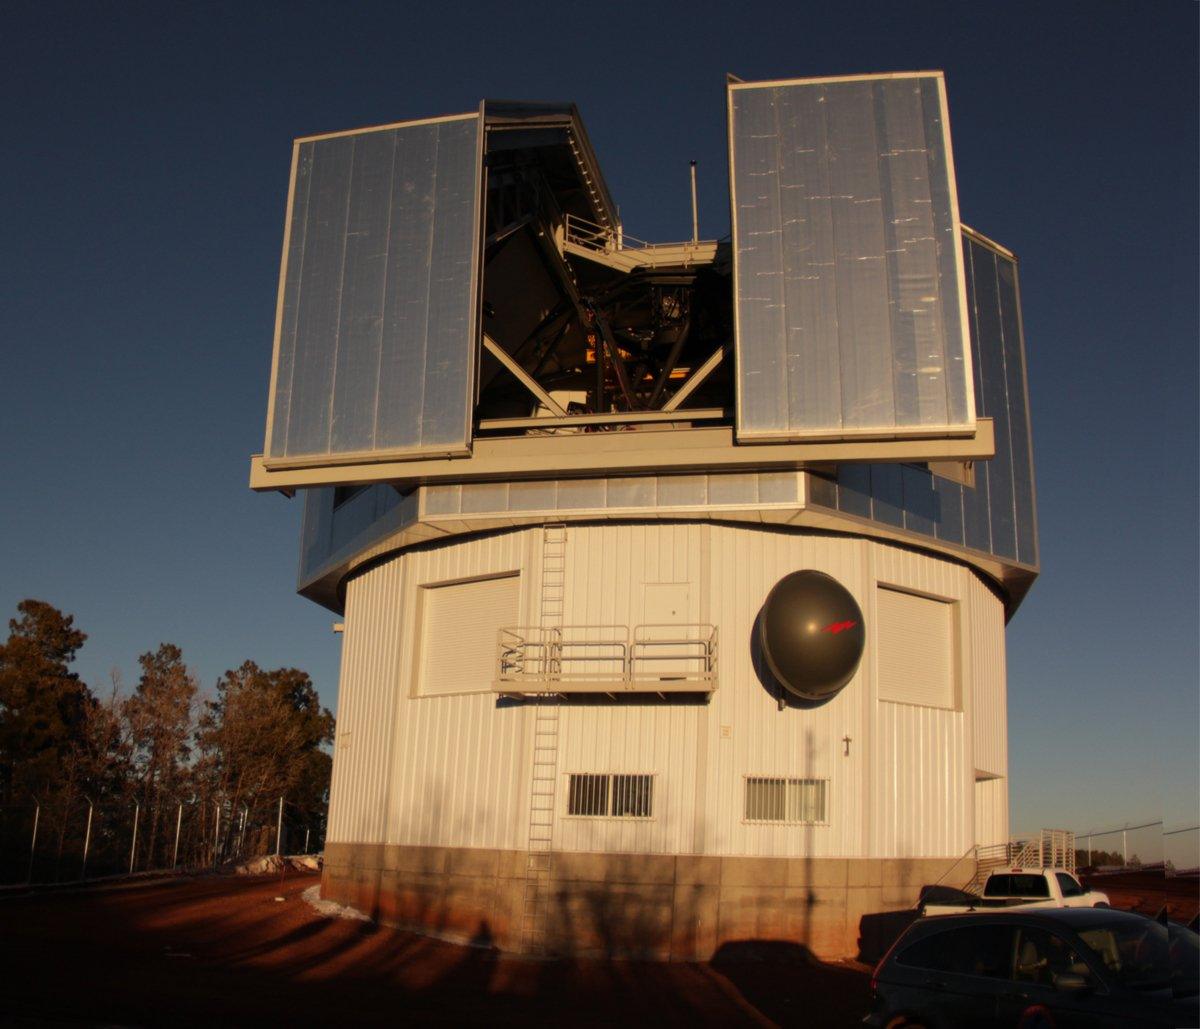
1016, 888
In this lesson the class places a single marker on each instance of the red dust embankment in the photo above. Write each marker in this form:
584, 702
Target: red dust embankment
223, 950
1148, 892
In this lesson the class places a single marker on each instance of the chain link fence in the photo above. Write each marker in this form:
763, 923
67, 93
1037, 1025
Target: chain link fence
1125, 848
75, 839
1181, 851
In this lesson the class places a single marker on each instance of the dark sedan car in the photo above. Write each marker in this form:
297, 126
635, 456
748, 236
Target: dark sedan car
1038, 968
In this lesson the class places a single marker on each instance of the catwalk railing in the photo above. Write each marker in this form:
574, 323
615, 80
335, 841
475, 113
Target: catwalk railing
606, 659
627, 252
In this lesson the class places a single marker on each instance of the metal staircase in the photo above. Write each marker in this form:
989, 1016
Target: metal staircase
1051, 848
539, 856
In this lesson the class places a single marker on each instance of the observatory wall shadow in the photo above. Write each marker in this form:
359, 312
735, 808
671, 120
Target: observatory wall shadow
666, 907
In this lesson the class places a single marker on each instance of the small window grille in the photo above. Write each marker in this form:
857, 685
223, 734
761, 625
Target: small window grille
610, 796
794, 801
632, 795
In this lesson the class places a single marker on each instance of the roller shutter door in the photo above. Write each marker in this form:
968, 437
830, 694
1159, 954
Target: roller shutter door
459, 625
916, 649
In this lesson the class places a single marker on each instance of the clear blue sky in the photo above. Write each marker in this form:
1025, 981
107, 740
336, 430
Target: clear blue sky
144, 175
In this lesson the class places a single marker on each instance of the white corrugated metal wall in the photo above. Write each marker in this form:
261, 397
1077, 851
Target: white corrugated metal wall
922, 797
426, 770
991, 811
455, 770
989, 722
748, 733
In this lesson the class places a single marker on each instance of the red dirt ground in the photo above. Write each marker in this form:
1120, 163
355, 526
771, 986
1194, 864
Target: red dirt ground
223, 951
1147, 892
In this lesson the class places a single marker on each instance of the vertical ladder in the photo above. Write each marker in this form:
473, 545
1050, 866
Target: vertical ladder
554, 575
539, 854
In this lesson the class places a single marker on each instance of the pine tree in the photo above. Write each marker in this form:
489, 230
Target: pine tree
262, 738
159, 717
44, 706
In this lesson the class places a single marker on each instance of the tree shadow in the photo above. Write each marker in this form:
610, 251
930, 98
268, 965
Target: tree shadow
788, 984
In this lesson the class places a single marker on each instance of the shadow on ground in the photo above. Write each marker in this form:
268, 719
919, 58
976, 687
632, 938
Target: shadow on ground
787, 984
226, 951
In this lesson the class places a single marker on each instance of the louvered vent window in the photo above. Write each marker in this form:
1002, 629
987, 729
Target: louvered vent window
792, 801
610, 796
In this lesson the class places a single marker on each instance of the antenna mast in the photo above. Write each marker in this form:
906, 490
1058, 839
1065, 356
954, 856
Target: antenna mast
695, 210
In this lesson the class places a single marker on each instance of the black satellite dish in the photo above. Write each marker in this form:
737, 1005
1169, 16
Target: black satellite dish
811, 633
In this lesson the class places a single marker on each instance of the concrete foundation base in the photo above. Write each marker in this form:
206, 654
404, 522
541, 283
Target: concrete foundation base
645, 905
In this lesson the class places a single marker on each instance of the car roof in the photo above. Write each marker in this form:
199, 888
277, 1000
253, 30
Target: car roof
1071, 918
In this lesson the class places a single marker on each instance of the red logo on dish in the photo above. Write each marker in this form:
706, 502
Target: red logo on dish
836, 627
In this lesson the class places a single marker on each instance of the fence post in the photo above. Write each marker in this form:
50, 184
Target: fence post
279, 829
37, 810
87, 839
216, 832
1124, 848
137, 810
178, 824
306, 832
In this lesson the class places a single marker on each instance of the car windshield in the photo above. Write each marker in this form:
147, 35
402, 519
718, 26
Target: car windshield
1135, 952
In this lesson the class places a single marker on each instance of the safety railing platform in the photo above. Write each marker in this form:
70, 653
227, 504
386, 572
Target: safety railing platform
625, 253
538, 660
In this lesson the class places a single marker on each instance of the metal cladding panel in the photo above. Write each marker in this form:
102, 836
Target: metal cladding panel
608, 569
748, 735
731, 490
997, 515
1019, 434
989, 681
443, 770
922, 772
461, 763
994, 400
378, 323
332, 534
849, 295
456, 770
991, 812
923, 785
366, 710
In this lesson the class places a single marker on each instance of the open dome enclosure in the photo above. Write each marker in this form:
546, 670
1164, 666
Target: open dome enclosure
673, 575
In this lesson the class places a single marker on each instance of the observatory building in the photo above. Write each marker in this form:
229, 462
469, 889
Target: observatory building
674, 576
